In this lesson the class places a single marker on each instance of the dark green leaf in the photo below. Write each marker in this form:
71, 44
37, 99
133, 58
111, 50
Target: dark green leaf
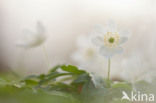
53, 75
54, 68
72, 69
81, 79
30, 82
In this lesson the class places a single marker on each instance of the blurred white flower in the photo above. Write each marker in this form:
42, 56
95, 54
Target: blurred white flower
87, 56
109, 39
86, 50
32, 39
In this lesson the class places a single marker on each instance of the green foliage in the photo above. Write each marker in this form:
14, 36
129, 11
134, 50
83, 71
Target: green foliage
72, 69
63, 84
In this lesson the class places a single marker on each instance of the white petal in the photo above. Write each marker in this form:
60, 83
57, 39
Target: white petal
32, 39
123, 40
111, 26
99, 29
118, 50
124, 33
22, 44
40, 28
26, 39
98, 41
107, 52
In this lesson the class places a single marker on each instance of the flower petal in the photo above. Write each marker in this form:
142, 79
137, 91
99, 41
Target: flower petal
98, 41
118, 50
111, 26
31, 39
107, 52
123, 40
40, 28
99, 29
124, 33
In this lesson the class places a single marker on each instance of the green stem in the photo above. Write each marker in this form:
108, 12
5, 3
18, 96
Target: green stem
109, 66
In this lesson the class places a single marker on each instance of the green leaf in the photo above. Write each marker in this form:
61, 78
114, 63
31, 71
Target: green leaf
61, 86
2, 82
54, 68
72, 69
30, 77
122, 85
53, 76
30, 82
81, 79
42, 76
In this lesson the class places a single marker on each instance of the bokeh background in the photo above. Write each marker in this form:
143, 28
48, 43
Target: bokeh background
64, 21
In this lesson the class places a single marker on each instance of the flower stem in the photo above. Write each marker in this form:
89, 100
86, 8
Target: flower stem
46, 55
109, 66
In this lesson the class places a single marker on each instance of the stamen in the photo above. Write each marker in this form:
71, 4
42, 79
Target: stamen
111, 39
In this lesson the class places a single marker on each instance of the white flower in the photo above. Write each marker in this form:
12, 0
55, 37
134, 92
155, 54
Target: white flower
86, 50
109, 39
87, 57
32, 39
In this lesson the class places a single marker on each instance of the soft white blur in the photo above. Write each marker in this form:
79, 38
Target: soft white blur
65, 20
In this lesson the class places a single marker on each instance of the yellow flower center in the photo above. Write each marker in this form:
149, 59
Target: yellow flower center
111, 39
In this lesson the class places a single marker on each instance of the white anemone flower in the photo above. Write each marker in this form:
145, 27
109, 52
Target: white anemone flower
32, 39
110, 39
86, 50
87, 56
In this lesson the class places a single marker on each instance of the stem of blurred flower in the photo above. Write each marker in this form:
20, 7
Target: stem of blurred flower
46, 55
109, 64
